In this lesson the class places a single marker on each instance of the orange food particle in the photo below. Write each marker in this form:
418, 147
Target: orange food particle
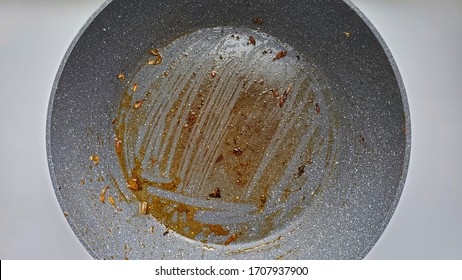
135, 87
121, 77
103, 194
118, 146
230, 239
95, 159
111, 200
156, 53
280, 55
138, 104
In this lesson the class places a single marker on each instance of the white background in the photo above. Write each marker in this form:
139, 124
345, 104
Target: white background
425, 38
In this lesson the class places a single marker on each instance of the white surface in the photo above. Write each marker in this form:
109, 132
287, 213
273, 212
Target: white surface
424, 37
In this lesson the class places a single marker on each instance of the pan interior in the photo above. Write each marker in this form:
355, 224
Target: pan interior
226, 134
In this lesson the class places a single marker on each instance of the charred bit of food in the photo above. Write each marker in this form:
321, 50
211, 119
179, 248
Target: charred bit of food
257, 20
215, 193
318, 109
252, 40
219, 158
238, 151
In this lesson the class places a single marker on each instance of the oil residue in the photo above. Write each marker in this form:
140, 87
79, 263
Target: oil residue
221, 113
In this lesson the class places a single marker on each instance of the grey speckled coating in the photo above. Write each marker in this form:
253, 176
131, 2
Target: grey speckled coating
367, 93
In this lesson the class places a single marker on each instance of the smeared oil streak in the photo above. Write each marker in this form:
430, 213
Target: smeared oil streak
160, 135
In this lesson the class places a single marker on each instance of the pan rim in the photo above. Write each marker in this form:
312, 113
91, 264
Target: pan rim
54, 89
407, 123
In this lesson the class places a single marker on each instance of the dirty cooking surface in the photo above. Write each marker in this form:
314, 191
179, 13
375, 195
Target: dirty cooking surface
224, 136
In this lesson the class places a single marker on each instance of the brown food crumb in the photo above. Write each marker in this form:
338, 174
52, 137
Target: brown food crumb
216, 193
151, 61
165, 232
300, 171
275, 92
66, 213
219, 158
252, 40
118, 146
213, 74
280, 55
138, 104
318, 109
192, 117
347, 34
257, 20
135, 86
238, 151
95, 159
230, 239
133, 184
143, 208
283, 97
153, 161
121, 77
263, 199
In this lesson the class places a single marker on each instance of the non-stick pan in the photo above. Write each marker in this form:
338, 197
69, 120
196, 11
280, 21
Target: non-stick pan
228, 130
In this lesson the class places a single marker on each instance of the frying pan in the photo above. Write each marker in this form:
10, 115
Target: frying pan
228, 130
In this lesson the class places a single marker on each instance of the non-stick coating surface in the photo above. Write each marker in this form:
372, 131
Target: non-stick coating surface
368, 97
